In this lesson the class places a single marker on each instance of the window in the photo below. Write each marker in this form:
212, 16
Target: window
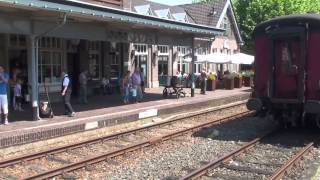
50, 43
182, 50
197, 68
94, 67
140, 49
50, 60
163, 65
49, 67
182, 65
163, 50
17, 40
141, 57
94, 59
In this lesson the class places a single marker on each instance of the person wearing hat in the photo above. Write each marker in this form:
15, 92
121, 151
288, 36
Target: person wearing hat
66, 89
203, 82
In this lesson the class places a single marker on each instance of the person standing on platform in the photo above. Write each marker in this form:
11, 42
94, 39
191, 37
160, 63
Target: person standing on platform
66, 90
142, 81
136, 83
203, 83
4, 77
83, 80
17, 96
125, 86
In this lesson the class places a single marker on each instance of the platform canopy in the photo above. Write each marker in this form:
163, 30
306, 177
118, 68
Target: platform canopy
241, 58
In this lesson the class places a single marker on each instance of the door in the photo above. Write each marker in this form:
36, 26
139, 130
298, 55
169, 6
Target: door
163, 69
287, 61
73, 71
141, 63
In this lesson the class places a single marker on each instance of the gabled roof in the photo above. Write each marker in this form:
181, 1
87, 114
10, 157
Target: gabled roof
212, 14
183, 17
143, 9
164, 13
205, 13
162, 10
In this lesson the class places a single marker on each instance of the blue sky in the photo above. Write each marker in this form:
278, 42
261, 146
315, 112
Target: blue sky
173, 2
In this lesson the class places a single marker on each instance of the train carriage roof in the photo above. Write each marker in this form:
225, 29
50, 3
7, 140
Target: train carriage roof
290, 20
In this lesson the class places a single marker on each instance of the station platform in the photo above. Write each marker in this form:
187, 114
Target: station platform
103, 111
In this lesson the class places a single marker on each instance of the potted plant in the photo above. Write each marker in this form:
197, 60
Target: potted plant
229, 81
237, 80
211, 82
248, 78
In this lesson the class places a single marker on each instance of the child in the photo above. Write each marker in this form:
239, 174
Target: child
134, 94
125, 84
17, 96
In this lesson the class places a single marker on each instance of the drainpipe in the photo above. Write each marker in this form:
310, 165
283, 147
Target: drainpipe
34, 67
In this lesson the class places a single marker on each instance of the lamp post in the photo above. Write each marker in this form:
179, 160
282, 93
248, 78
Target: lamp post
192, 68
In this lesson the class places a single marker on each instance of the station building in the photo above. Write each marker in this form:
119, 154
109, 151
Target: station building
40, 38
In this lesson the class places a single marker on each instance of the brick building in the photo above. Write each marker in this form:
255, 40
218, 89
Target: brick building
219, 14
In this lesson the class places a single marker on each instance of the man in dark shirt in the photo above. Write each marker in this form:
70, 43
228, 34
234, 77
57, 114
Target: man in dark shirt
66, 93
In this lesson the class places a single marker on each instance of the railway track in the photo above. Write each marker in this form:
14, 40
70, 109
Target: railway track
54, 162
247, 161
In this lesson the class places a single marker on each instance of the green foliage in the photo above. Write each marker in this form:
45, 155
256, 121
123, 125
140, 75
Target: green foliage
249, 73
249, 13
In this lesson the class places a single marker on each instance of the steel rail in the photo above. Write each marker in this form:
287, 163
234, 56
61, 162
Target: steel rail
225, 158
37, 155
291, 162
140, 145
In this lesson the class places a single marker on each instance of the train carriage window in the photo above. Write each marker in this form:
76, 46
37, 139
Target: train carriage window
287, 58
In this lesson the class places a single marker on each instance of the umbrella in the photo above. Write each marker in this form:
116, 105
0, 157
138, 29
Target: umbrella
216, 58
241, 58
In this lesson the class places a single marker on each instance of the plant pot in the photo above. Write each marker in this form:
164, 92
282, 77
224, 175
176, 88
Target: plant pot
220, 84
229, 84
211, 85
247, 81
238, 82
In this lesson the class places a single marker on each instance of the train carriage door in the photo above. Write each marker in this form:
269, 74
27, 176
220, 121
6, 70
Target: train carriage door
288, 67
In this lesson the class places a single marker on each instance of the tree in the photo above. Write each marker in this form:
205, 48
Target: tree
249, 13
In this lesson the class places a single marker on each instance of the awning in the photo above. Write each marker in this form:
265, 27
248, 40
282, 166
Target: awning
241, 58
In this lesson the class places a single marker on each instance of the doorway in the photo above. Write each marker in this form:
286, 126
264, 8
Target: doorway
73, 67
18, 69
141, 63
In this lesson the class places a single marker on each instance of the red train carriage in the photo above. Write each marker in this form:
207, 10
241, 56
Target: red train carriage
287, 69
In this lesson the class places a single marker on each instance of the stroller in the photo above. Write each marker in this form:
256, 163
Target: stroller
173, 89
